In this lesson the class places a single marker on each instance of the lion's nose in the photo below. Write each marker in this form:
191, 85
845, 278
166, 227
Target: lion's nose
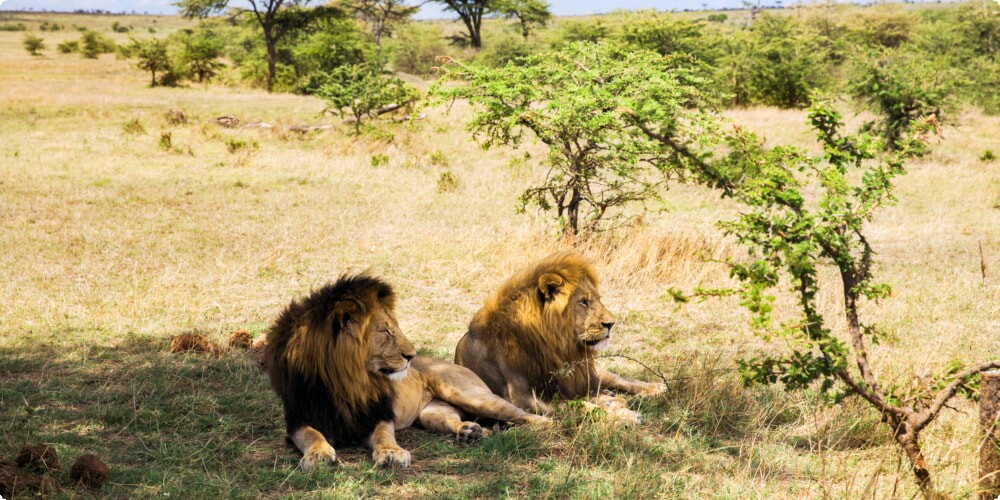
408, 357
608, 325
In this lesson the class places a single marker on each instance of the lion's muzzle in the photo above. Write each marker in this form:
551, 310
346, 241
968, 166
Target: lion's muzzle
396, 375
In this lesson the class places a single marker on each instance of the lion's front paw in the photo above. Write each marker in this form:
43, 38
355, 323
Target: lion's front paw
469, 432
651, 389
616, 411
391, 456
535, 421
317, 454
622, 416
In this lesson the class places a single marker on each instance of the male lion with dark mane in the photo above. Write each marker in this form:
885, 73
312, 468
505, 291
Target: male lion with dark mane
346, 374
536, 339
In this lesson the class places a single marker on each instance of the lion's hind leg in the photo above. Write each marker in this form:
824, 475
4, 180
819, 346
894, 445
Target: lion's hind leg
460, 387
439, 416
314, 447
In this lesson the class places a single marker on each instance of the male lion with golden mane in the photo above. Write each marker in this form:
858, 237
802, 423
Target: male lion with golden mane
536, 339
346, 374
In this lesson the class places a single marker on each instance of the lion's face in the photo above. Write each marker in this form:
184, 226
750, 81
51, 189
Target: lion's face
389, 351
592, 321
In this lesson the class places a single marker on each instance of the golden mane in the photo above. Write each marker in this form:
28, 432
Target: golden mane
322, 341
538, 333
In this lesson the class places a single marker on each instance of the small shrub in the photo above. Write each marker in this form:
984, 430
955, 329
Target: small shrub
133, 127
120, 28
166, 141
987, 156
416, 48
717, 18
13, 27
379, 160
93, 44
504, 51
69, 46
234, 145
579, 31
34, 44
363, 90
447, 182
378, 133
175, 117
438, 158
47, 26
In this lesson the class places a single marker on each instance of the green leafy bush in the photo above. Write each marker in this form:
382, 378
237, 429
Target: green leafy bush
903, 88
417, 48
888, 29
34, 44
198, 54
93, 44
317, 54
506, 50
151, 55
785, 63
68, 47
363, 90
578, 31
666, 34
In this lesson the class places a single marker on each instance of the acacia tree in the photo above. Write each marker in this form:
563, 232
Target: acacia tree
802, 214
530, 14
471, 13
151, 55
381, 16
276, 19
598, 159
199, 54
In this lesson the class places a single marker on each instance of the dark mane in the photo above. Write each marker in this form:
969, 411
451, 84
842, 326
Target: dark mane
317, 364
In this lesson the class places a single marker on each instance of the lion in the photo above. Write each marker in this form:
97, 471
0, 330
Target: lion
346, 374
537, 337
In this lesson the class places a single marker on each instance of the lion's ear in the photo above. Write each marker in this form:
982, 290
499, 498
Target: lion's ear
344, 312
550, 284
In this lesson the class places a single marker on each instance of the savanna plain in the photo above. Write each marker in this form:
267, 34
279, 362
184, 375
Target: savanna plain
122, 226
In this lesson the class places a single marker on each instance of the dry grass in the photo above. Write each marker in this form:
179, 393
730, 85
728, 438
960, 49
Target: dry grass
110, 245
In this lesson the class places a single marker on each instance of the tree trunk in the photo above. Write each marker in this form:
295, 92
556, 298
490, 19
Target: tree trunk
989, 420
153, 83
272, 56
476, 37
573, 212
909, 440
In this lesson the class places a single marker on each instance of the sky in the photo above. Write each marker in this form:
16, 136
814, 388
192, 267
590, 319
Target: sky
428, 11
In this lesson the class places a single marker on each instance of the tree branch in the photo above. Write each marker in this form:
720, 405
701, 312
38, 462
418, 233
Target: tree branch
949, 391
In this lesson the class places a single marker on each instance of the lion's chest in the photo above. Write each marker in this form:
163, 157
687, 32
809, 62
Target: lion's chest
411, 396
